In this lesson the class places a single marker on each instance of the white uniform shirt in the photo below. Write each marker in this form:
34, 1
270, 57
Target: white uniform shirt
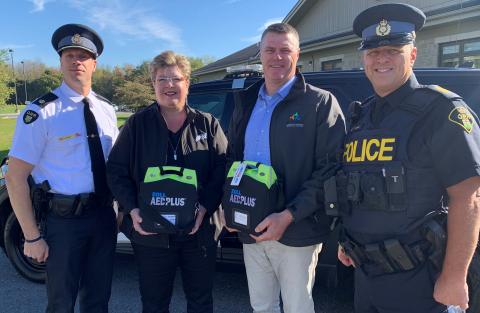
56, 142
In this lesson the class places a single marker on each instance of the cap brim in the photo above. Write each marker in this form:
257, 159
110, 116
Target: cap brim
394, 40
77, 47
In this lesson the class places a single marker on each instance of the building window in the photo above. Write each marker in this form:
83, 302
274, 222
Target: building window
465, 53
332, 65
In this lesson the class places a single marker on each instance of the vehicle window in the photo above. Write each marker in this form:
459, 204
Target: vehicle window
213, 103
219, 104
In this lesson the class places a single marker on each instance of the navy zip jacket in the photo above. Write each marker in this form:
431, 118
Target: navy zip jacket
306, 134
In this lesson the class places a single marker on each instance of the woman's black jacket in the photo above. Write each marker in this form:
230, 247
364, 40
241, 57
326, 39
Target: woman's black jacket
143, 143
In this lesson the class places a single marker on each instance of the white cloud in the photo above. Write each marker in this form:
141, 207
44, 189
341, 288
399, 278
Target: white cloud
256, 38
38, 5
231, 1
129, 21
269, 22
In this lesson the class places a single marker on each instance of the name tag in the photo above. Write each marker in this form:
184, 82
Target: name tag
237, 177
63, 138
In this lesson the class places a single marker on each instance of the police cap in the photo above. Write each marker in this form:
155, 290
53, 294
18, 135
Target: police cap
388, 24
77, 36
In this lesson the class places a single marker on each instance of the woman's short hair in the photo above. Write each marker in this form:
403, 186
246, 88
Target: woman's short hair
170, 58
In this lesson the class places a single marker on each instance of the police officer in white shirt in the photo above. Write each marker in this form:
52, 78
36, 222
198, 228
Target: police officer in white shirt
64, 137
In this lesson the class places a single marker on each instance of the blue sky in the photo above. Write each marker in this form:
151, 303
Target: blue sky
136, 30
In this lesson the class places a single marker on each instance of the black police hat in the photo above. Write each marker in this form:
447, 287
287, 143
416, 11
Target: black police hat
77, 36
387, 25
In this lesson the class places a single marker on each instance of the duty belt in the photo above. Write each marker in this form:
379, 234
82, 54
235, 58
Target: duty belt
426, 239
75, 205
387, 256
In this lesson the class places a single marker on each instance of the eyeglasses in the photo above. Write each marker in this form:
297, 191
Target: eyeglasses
166, 80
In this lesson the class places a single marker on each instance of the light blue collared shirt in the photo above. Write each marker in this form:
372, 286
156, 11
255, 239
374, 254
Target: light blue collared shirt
257, 135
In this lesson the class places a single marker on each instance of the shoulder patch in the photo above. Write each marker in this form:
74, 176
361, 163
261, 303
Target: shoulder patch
29, 116
45, 99
103, 98
463, 118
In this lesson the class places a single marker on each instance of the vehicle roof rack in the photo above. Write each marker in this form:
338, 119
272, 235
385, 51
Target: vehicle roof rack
244, 71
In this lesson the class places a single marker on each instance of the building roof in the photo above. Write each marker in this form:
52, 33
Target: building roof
245, 55
251, 53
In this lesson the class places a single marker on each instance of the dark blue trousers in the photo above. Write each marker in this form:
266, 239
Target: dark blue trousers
157, 268
80, 261
407, 292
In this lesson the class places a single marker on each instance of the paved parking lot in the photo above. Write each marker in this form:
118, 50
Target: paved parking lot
18, 295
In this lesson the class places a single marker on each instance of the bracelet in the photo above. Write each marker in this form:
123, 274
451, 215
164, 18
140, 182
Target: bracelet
33, 240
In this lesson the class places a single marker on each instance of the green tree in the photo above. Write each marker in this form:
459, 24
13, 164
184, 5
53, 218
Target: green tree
134, 94
6, 83
141, 74
49, 80
199, 62
103, 82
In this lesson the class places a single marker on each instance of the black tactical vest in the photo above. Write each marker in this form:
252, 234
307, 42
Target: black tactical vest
386, 193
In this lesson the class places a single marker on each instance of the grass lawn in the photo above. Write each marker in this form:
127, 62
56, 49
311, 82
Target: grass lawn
121, 120
10, 108
7, 126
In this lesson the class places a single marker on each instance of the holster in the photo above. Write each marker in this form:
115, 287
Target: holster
39, 197
435, 233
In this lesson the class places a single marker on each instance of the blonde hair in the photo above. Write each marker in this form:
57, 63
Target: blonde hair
170, 58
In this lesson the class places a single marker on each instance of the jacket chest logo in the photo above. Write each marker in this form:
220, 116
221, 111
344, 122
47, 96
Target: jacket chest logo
201, 136
295, 120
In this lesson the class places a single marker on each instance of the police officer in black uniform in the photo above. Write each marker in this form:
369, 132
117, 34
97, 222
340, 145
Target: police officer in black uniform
411, 151
60, 144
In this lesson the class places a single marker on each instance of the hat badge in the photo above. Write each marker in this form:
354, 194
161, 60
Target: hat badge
76, 39
383, 28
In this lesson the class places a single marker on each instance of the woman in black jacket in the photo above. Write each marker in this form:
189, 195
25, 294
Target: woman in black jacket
170, 133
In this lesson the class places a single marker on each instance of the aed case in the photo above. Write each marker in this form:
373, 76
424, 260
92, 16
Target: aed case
258, 194
167, 199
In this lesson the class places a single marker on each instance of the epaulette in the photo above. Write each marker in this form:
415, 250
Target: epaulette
422, 99
103, 98
45, 99
444, 92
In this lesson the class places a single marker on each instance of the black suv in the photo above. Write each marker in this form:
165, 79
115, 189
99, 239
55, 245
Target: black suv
216, 97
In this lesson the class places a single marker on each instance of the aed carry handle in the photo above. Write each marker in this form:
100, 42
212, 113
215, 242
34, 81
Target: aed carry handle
252, 167
171, 172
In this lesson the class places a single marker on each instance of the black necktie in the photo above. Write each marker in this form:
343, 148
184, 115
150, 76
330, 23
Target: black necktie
96, 152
